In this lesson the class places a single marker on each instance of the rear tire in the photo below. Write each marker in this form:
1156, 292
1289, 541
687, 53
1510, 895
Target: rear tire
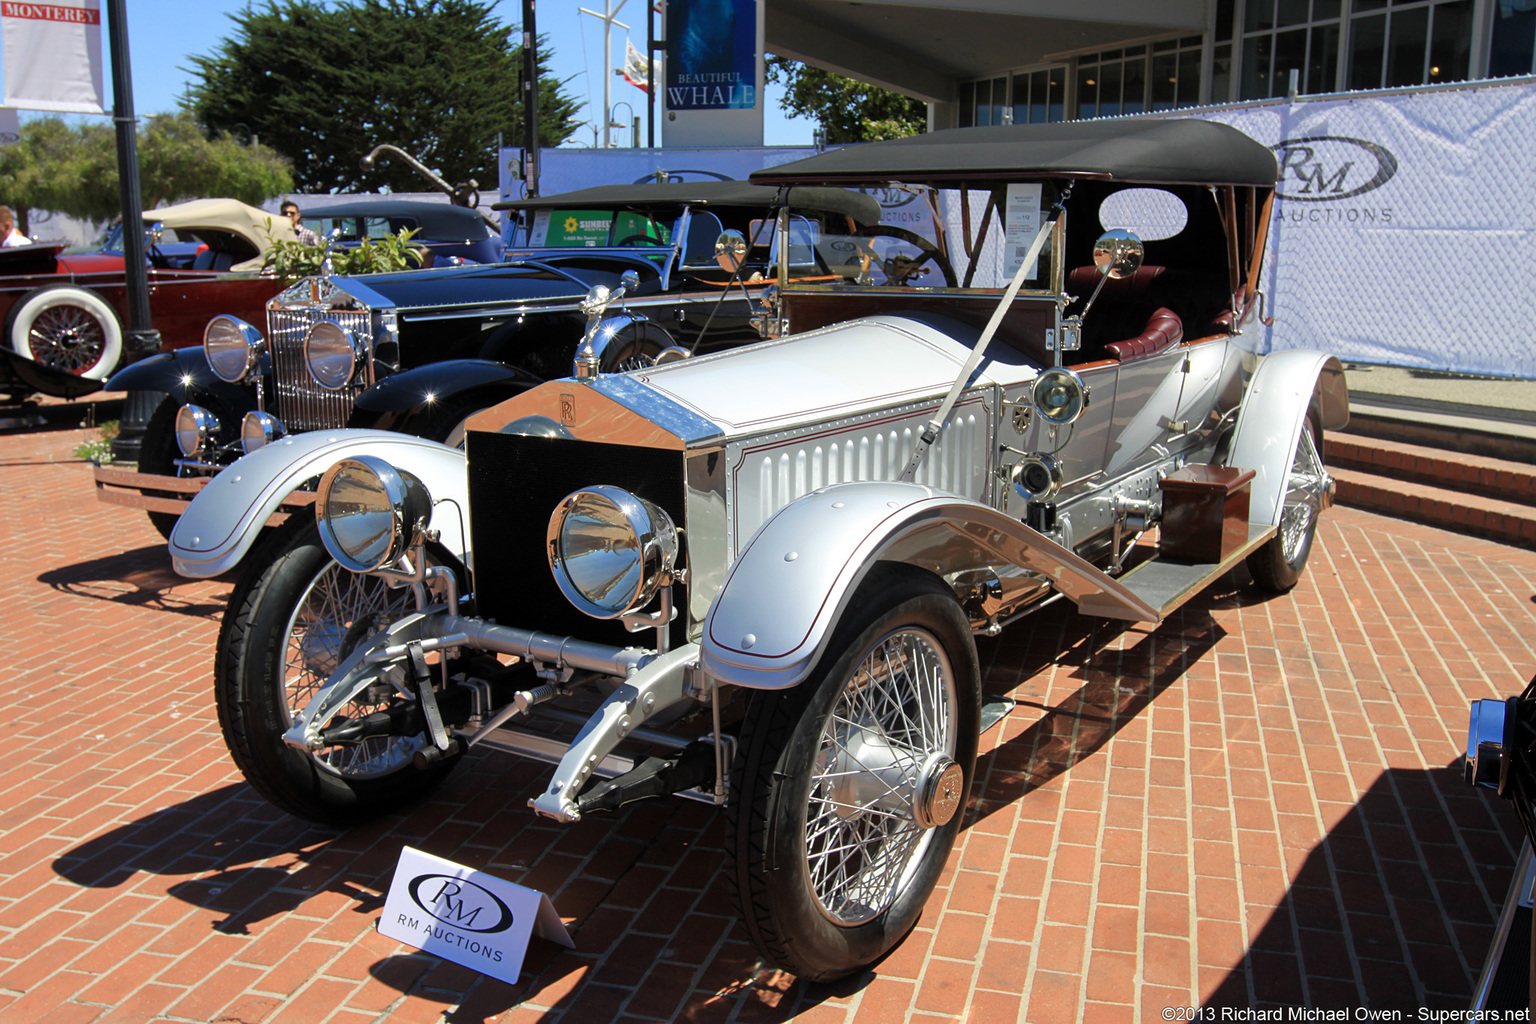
1278, 565
67, 329
292, 618
851, 787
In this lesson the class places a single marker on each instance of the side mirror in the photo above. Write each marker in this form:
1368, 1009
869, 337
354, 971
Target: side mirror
1118, 254
156, 232
731, 250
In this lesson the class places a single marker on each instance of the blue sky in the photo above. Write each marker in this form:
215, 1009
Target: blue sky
163, 36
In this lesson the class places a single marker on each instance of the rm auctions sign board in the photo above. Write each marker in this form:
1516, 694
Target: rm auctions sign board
1402, 225
467, 916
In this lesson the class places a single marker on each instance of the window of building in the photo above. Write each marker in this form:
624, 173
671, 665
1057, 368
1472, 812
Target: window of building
1513, 48
1409, 43
1136, 79
1040, 95
1347, 44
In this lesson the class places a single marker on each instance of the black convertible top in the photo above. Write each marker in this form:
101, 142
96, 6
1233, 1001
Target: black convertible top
862, 208
1165, 151
437, 220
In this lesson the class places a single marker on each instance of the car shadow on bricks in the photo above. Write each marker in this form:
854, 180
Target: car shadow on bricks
1122, 669
1393, 908
143, 578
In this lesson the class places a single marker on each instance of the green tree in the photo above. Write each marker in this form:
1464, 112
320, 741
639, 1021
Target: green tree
325, 83
846, 109
72, 169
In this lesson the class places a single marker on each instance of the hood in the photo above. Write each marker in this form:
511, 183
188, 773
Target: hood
818, 377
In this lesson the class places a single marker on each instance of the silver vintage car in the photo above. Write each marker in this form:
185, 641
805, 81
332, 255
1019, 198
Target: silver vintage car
754, 578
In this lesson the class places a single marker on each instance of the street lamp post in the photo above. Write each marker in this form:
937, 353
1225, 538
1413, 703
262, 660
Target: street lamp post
609, 20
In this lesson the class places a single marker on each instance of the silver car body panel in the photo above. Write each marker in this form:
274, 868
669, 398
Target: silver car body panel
1273, 411
774, 615
222, 522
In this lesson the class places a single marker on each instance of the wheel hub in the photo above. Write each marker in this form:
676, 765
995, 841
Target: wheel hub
870, 773
940, 787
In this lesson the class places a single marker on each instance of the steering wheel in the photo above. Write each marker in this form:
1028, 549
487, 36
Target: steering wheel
633, 239
901, 269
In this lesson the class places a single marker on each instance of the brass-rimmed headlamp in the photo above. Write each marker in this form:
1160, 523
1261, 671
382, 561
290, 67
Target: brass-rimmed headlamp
609, 550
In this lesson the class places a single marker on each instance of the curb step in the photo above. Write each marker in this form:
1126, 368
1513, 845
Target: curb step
1506, 521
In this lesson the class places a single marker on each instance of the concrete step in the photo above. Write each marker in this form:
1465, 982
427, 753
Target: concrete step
1418, 465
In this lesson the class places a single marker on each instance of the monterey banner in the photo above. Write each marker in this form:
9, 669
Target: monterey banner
1403, 225
53, 56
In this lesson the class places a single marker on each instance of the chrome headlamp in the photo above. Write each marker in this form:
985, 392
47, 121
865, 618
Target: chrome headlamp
333, 354
1060, 395
233, 348
370, 512
609, 550
258, 429
196, 429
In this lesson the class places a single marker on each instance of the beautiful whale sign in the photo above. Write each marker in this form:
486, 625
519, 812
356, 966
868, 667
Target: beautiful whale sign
467, 916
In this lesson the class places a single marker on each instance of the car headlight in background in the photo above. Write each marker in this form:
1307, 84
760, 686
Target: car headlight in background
609, 550
333, 354
369, 512
196, 429
233, 348
258, 429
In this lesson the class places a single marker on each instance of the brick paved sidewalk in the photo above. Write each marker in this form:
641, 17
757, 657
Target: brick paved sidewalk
1256, 804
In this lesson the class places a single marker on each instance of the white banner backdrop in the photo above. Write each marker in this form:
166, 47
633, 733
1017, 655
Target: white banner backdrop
53, 56
1403, 225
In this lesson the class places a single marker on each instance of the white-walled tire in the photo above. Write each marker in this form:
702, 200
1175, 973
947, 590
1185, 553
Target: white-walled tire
67, 329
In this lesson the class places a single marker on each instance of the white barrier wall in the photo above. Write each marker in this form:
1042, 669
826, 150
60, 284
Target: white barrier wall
1404, 225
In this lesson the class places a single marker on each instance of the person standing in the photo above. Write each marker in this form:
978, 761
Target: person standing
9, 236
290, 209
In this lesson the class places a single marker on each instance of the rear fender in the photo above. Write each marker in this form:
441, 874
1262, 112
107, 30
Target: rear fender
775, 614
1285, 386
222, 522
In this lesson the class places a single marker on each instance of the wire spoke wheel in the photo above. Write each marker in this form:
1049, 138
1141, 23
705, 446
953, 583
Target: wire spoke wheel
67, 338
293, 618
848, 788
862, 833
337, 612
1305, 487
1277, 565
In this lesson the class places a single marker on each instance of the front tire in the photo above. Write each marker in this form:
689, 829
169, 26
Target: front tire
851, 787
1277, 566
158, 453
292, 618
67, 329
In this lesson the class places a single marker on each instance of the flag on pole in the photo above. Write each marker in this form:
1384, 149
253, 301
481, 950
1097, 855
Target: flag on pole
637, 70
53, 56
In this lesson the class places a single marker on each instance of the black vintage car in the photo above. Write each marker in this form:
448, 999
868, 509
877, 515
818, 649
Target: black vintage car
419, 351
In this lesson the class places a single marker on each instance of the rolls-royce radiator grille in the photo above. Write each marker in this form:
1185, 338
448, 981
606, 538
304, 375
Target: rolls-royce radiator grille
301, 403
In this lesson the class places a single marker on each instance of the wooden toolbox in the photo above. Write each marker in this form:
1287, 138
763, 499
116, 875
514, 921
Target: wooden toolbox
1205, 513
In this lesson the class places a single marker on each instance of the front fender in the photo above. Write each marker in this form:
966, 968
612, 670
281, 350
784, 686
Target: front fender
221, 523
1274, 409
411, 390
775, 614
185, 376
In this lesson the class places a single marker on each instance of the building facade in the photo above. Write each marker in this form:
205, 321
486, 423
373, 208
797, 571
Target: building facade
1262, 49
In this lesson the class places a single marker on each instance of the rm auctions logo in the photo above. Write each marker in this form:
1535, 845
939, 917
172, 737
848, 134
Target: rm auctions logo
460, 903
1318, 168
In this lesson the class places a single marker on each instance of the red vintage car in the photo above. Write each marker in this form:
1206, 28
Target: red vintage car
65, 313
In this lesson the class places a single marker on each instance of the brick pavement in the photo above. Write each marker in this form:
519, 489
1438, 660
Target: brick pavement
1256, 804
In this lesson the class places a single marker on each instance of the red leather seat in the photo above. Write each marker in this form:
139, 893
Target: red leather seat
1164, 330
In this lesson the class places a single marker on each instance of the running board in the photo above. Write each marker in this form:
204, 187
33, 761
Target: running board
1166, 585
